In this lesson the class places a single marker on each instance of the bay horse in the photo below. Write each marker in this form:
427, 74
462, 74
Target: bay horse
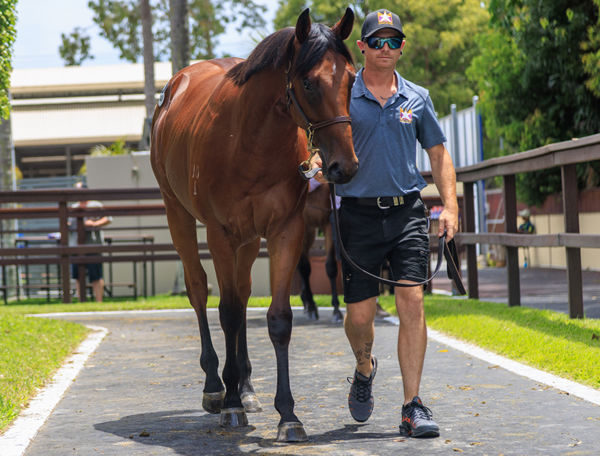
227, 138
316, 214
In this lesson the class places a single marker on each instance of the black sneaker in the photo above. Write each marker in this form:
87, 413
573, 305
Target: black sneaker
416, 420
360, 399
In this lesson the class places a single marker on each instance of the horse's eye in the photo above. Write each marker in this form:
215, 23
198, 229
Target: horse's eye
307, 84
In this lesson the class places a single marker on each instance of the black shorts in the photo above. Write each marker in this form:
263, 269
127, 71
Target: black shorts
372, 235
94, 271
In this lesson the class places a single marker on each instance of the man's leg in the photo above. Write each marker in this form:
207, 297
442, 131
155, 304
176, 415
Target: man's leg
360, 331
412, 338
98, 289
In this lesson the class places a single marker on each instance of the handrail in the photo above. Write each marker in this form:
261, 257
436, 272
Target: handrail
565, 155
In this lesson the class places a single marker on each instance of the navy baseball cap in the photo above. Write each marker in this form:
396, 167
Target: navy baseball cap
378, 20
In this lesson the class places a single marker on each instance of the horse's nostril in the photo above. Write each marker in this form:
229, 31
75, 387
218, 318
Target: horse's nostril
339, 175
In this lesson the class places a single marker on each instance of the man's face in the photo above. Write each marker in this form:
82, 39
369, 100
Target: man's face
384, 58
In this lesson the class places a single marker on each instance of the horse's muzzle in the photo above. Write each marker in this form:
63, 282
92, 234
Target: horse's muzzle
338, 174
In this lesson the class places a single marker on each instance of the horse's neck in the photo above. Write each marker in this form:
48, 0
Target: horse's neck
263, 98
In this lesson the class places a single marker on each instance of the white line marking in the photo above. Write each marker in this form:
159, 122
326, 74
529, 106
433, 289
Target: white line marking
576, 389
19, 435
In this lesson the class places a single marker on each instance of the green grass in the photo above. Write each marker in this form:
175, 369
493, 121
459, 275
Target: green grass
31, 350
544, 339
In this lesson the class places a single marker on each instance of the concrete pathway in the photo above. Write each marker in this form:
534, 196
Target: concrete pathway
140, 394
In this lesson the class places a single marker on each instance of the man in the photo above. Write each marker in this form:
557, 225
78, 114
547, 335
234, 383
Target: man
526, 228
92, 236
382, 215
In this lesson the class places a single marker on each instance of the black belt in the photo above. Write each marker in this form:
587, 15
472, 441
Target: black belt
383, 202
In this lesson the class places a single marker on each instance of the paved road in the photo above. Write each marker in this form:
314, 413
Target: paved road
140, 394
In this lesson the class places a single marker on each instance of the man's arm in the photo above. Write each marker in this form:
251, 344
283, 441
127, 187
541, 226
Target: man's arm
444, 177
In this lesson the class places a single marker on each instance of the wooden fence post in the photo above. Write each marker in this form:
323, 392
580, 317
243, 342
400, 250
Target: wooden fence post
65, 273
469, 214
512, 253
571, 213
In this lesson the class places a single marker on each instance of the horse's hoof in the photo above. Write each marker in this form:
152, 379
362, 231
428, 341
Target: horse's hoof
313, 315
212, 402
337, 317
233, 417
250, 402
291, 432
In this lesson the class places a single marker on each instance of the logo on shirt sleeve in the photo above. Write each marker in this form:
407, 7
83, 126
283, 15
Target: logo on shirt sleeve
406, 116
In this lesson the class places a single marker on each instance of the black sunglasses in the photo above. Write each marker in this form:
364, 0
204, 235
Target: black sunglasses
376, 42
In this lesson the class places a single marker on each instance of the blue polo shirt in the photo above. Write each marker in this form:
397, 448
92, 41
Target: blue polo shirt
385, 139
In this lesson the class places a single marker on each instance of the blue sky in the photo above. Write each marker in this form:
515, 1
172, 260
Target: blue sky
40, 23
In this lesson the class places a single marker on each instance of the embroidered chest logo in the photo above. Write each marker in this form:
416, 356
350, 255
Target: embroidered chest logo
405, 115
384, 17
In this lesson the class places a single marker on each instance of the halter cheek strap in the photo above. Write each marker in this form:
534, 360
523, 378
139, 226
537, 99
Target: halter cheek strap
304, 168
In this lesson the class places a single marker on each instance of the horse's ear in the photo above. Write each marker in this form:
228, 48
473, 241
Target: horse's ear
303, 26
344, 27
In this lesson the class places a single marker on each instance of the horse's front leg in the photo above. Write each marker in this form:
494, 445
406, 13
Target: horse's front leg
284, 251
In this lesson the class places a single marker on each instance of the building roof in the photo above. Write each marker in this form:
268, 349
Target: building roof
85, 104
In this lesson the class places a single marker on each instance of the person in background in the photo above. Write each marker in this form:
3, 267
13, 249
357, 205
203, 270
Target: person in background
93, 235
526, 228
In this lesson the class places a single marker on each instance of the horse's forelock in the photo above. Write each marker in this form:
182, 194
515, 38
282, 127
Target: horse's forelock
320, 40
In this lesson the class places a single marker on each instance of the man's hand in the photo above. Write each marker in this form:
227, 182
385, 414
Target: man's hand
448, 222
317, 163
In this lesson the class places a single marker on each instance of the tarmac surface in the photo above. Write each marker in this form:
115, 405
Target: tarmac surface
140, 394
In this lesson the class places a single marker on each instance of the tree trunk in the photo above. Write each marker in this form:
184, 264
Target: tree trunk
149, 89
180, 48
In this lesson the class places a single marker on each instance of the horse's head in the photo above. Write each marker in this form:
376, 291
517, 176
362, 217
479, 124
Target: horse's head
320, 78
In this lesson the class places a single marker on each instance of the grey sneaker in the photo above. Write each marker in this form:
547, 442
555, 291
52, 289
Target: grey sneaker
417, 420
360, 398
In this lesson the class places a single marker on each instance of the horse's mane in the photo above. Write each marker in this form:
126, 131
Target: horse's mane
277, 50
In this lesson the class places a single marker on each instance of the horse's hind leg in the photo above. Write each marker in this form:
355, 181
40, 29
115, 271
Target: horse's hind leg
310, 307
183, 232
231, 316
245, 258
331, 266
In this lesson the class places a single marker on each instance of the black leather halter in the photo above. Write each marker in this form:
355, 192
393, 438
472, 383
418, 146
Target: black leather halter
304, 168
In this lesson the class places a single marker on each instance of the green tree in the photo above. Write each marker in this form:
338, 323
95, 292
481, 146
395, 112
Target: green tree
75, 47
120, 23
439, 39
7, 38
536, 77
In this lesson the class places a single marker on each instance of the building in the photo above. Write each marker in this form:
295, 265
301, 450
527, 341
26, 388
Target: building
59, 114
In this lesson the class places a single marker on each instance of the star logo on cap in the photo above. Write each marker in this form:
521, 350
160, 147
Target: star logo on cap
385, 18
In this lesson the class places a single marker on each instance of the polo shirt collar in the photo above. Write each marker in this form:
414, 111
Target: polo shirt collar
360, 89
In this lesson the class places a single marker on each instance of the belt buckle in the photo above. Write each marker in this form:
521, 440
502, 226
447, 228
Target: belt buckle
396, 201
379, 205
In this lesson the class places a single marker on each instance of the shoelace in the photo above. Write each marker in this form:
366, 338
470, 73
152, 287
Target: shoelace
361, 390
419, 411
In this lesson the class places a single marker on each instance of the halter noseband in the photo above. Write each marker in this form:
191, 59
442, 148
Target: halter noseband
304, 167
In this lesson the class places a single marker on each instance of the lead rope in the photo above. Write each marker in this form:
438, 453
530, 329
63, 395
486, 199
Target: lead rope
441, 245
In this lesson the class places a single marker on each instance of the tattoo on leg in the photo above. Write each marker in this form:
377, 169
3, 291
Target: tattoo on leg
363, 355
